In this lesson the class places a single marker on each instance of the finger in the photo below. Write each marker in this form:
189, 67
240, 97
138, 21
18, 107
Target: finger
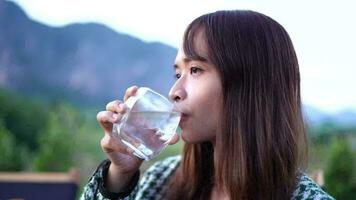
130, 152
116, 106
130, 92
109, 144
106, 120
174, 139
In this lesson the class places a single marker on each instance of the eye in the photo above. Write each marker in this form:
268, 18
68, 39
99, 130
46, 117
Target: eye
177, 76
195, 70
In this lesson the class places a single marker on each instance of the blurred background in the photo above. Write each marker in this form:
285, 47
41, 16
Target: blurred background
62, 61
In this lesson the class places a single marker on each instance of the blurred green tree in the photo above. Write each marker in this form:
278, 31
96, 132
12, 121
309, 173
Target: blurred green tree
13, 156
23, 117
57, 142
339, 174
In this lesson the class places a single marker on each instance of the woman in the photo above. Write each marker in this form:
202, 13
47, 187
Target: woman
238, 89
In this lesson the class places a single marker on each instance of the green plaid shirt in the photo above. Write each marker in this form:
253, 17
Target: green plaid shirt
152, 185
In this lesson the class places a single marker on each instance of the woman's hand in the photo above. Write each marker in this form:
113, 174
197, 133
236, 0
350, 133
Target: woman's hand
117, 152
123, 163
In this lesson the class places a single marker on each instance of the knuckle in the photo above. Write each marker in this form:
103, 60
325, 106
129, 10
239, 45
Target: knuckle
105, 142
117, 117
116, 102
107, 107
99, 116
104, 116
112, 106
130, 89
133, 88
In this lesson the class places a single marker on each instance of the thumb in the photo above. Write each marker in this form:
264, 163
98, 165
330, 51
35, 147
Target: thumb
174, 139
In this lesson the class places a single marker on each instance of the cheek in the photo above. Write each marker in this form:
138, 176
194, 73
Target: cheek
209, 99
207, 112
204, 99
211, 111
203, 126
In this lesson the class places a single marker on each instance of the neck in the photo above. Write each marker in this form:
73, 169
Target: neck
217, 193
216, 156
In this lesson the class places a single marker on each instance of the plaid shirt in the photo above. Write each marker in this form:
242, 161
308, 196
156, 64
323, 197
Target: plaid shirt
152, 185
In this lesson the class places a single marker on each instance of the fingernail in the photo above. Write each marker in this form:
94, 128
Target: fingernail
121, 106
129, 150
114, 117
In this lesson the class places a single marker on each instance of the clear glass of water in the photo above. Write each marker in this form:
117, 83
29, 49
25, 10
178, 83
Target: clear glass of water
148, 125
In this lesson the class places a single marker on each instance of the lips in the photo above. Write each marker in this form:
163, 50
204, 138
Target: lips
184, 115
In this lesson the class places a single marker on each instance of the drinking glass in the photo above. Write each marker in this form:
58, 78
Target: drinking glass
149, 123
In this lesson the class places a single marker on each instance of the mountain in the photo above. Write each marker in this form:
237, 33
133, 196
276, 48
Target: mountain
83, 63
345, 118
316, 117
90, 64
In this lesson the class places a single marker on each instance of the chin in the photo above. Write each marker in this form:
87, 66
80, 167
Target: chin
192, 138
188, 137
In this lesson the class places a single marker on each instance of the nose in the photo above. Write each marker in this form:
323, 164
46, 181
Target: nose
177, 92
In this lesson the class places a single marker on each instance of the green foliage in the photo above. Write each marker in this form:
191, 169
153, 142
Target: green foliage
12, 155
31, 135
56, 137
340, 171
23, 117
58, 140
323, 133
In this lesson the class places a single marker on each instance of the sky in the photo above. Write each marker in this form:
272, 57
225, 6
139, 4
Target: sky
323, 33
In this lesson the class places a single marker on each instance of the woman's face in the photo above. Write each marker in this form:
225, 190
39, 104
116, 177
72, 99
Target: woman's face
198, 95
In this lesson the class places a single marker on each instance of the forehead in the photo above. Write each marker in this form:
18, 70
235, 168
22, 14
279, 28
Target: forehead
199, 48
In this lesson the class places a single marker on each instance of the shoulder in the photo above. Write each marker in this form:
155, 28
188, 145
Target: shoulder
307, 189
164, 166
153, 182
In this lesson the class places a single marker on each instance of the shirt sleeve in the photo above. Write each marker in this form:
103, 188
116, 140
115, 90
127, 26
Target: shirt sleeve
154, 182
307, 189
151, 186
95, 189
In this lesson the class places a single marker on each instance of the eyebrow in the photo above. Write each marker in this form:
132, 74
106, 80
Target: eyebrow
192, 58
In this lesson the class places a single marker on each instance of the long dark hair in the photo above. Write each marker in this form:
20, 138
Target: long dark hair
262, 142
